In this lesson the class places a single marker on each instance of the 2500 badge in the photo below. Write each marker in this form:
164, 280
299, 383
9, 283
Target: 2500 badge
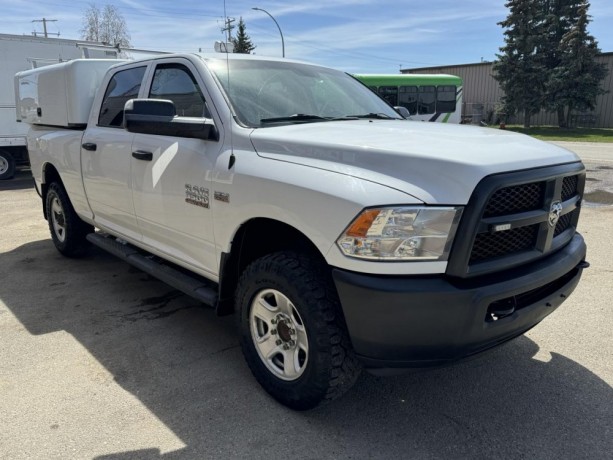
196, 195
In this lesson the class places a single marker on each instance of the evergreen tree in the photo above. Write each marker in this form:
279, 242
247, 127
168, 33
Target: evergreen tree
242, 42
559, 16
520, 69
575, 80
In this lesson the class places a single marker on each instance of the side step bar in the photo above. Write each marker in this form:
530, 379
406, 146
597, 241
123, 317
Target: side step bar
198, 288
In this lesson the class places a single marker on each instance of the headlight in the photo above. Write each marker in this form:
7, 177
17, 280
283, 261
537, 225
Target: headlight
401, 233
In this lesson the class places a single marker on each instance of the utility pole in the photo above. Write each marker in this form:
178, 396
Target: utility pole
228, 22
45, 21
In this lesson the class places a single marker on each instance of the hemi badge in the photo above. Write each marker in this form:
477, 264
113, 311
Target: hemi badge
500, 228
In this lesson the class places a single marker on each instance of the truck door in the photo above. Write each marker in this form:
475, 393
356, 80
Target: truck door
106, 155
172, 176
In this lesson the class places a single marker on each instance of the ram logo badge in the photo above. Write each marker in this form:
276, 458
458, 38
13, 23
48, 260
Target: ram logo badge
554, 213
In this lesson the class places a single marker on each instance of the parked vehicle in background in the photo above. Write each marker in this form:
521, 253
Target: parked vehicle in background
341, 235
426, 97
23, 52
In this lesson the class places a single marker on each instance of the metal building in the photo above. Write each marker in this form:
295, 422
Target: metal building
482, 95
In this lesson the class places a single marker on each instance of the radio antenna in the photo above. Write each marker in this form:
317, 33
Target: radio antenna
232, 159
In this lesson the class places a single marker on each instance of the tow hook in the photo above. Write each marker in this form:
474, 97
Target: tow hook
501, 308
583, 264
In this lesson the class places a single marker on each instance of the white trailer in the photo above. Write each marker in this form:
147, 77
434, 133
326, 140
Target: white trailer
23, 52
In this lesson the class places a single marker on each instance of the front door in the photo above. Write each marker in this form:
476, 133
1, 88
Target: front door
172, 187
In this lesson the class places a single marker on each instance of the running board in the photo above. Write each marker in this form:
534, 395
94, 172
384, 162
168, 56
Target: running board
198, 288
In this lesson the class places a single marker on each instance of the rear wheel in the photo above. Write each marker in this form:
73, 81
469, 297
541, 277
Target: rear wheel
292, 331
68, 232
7, 165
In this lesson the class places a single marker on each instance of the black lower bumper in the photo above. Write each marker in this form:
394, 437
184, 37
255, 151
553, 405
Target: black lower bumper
422, 321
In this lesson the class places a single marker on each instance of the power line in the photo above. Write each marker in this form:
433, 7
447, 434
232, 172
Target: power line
157, 12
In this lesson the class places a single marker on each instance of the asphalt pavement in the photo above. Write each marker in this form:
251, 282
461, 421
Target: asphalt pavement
98, 360
598, 160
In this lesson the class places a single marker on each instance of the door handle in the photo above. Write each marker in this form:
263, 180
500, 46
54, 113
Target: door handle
89, 146
142, 155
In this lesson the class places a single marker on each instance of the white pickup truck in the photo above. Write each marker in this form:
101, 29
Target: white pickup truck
342, 235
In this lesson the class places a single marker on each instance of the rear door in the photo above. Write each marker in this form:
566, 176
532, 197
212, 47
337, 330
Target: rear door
106, 155
172, 188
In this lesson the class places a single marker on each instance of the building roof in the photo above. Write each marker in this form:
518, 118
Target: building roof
413, 69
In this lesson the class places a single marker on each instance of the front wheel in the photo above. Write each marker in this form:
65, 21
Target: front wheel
68, 232
292, 332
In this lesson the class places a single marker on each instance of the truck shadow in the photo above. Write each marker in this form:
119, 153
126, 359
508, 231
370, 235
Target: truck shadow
22, 180
184, 364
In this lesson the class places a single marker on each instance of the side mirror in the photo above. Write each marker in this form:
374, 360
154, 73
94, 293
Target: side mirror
159, 116
403, 111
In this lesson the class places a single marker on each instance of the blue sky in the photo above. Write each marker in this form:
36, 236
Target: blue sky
353, 35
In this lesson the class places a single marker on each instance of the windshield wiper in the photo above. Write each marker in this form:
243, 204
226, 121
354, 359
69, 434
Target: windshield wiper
295, 117
303, 117
378, 116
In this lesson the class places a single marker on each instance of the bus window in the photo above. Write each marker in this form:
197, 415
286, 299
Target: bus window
427, 99
389, 93
445, 99
374, 89
407, 98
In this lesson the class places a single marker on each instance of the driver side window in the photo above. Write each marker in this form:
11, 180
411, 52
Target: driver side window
176, 83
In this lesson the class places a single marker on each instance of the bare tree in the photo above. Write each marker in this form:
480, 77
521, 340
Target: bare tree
91, 23
106, 26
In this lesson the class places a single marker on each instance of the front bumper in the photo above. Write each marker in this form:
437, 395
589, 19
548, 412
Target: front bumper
422, 321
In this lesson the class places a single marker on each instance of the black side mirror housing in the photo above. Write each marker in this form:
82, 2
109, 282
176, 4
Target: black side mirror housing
159, 116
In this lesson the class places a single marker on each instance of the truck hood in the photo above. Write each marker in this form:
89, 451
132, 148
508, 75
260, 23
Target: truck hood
435, 163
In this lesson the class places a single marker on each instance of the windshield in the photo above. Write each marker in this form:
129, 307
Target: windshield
269, 93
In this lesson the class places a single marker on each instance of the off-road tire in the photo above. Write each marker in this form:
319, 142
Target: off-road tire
68, 232
7, 165
331, 368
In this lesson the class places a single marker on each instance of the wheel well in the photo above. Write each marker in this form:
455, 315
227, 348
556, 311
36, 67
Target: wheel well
255, 239
50, 175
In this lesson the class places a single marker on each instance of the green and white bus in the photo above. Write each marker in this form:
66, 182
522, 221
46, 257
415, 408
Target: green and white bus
426, 97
